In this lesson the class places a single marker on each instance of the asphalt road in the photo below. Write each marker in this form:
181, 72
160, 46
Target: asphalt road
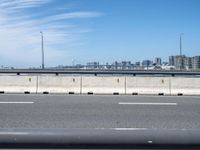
119, 112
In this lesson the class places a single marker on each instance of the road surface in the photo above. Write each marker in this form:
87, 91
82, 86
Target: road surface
118, 112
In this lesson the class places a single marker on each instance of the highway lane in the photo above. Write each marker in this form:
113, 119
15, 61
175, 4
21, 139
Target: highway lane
119, 112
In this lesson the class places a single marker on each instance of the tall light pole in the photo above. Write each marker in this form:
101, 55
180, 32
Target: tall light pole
181, 58
42, 47
181, 43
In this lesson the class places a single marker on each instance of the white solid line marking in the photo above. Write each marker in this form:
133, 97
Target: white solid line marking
16, 102
124, 103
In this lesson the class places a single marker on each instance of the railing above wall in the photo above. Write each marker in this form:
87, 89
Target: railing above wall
100, 72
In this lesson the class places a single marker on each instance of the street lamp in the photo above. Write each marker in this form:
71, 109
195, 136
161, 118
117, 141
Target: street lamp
181, 57
181, 34
42, 47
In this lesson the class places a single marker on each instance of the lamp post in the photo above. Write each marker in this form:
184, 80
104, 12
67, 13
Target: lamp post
181, 57
42, 48
181, 43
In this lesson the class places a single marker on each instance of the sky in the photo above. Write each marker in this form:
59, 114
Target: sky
80, 31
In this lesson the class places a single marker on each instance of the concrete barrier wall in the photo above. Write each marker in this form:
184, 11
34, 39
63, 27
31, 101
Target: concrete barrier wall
59, 84
103, 85
18, 84
99, 85
185, 86
148, 85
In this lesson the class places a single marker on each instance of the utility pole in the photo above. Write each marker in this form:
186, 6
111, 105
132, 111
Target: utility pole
181, 43
181, 58
42, 47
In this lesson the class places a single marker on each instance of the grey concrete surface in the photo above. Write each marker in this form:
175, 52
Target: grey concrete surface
64, 111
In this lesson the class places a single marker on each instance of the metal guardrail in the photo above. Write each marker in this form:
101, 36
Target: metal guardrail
98, 72
99, 138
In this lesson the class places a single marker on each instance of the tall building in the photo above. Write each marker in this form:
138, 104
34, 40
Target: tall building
181, 62
108, 66
93, 65
158, 61
147, 63
178, 61
116, 65
171, 60
196, 62
126, 65
137, 64
188, 63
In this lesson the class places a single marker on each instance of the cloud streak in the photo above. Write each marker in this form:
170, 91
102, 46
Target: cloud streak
21, 4
20, 31
75, 15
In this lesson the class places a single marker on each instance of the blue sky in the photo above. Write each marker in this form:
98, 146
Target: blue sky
80, 31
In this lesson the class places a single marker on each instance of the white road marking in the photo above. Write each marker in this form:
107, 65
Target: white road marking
122, 129
129, 129
16, 102
164, 104
14, 133
150, 142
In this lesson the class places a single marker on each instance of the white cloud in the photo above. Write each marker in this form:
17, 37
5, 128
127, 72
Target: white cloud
20, 32
19, 4
75, 15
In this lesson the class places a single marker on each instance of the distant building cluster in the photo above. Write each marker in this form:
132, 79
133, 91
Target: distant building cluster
182, 62
128, 65
177, 62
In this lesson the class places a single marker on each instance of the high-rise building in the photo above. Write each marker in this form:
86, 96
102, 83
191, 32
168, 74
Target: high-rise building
147, 63
126, 65
116, 65
171, 60
93, 65
177, 61
188, 63
181, 62
137, 64
108, 66
158, 61
196, 62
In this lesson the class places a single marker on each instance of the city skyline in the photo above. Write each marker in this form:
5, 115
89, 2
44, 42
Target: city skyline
105, 31
175, 62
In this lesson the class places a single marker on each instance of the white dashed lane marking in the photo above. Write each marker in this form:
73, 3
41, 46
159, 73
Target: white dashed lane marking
160, 104
16, 102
